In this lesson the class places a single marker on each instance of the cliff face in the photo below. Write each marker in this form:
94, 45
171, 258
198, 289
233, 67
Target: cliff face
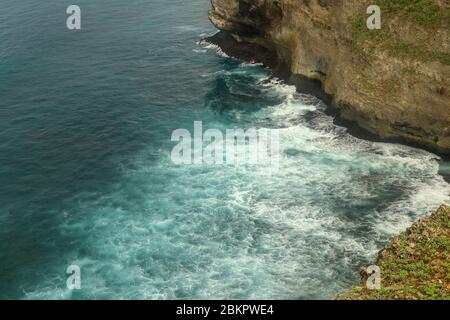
394, 82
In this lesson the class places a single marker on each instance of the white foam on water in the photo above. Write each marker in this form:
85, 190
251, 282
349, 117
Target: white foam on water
250, 64
207, 45
225, 232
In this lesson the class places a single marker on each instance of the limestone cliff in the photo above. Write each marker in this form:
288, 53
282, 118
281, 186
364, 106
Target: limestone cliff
394, 82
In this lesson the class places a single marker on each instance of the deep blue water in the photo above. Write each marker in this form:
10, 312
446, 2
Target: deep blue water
86, 176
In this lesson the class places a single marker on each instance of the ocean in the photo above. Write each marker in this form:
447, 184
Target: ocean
87, 178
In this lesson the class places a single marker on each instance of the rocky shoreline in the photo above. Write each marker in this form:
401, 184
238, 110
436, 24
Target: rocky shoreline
253, 53
389, 86
320, 47
400, 259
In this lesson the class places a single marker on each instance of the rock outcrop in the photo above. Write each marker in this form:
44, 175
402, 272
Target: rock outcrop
393, 82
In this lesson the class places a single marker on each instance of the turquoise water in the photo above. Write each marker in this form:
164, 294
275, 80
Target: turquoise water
87, 179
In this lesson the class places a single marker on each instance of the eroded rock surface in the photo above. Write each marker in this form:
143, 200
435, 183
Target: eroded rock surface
394, 82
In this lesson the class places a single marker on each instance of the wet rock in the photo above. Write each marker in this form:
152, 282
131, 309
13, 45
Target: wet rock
392, 94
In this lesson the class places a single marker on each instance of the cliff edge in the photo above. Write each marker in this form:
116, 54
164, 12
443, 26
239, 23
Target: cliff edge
416, 264
393, 82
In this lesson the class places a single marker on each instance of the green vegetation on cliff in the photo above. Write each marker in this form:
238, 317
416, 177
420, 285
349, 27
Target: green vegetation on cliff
398, 16
424, 12
416, 265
